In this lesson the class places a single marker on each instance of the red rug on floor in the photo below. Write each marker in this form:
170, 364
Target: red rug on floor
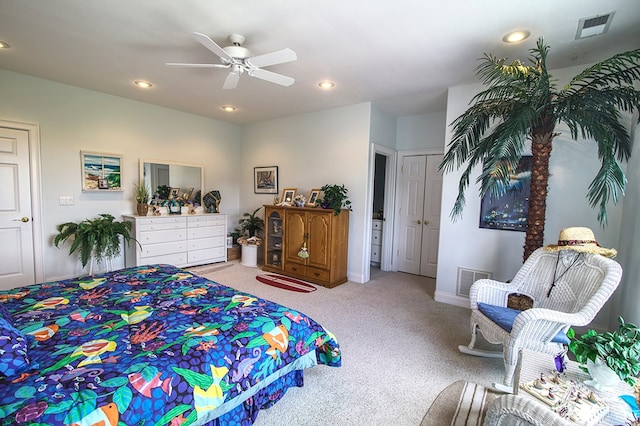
286, 283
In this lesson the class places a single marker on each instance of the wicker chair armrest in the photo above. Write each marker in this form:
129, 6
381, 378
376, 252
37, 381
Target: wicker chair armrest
489, 291
517, 410
543, 324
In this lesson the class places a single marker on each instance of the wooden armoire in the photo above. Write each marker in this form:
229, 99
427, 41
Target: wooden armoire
324, 236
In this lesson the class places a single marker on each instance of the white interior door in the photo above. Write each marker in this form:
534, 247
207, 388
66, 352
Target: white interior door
16, 230
419, 215
412, 181
431, 222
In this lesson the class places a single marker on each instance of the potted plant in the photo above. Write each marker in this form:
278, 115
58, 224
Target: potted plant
142, 196
619, 350
97, 238
251, 223
335, 197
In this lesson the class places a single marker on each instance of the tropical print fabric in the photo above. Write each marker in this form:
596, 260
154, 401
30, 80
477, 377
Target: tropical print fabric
154, 345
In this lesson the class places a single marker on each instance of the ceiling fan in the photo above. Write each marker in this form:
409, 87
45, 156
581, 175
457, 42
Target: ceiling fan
238, 59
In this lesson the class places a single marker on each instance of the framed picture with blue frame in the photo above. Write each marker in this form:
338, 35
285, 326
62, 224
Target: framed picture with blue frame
509, 211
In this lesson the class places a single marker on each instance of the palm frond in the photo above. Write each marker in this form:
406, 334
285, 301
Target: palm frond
608, 184
623, 68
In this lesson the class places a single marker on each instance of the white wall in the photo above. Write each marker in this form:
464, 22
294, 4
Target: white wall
573, 166
72, 119
311, 150
423, 131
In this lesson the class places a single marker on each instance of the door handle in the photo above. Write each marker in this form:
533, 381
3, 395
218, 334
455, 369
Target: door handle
418, 222
24, 219
426, 222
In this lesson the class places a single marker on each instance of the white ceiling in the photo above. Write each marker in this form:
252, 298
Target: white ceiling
401, 55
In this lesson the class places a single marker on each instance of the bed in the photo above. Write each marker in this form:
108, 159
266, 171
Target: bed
149, 345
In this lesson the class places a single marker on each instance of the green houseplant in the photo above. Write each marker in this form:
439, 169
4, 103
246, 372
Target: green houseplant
522, 102
97, 238
251, 223
335, 197
619, 350
142, 196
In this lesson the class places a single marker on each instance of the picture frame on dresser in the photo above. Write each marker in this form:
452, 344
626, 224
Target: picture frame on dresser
313, 197
101, 172
265, 180
174, 193
288, 194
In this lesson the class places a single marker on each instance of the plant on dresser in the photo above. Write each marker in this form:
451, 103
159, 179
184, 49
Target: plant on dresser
307, 243
177, 240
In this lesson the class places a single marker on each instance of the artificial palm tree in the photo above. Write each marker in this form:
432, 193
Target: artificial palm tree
523, 103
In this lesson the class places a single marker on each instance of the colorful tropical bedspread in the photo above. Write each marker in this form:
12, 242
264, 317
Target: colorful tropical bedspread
152, 345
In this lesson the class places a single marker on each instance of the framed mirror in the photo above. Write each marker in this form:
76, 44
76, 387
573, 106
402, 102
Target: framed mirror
170, 180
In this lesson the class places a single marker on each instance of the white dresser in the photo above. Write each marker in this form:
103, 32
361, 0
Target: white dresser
180, 240
376, 241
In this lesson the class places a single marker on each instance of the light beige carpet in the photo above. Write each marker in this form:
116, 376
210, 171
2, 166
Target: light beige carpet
399, 350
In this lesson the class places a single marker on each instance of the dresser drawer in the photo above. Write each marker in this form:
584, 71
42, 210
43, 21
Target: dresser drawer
376, 237
209, 255
159, 249
295, 268
176, 259
376, 225
317, 273
208, 232
202, 221
152, 237
375, 253
158, 224
205, 243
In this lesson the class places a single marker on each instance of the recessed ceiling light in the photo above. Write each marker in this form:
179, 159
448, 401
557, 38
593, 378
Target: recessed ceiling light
516, 36
4, 45
228, 108
326, 84
143, 84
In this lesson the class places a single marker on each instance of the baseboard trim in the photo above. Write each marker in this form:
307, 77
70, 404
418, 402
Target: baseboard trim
451, 299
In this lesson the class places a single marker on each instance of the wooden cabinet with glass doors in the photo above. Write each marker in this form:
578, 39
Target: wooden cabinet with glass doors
307, 243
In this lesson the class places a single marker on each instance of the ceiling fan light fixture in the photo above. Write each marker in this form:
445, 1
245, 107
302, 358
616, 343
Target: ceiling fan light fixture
228, 108
516, 36
326, 84
143, 84
4, 45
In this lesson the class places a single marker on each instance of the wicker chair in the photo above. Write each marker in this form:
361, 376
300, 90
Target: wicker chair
514, 410
567, 289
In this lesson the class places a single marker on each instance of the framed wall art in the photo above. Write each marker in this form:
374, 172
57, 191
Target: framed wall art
101, 172
313, 197
265, 180
509, 211
288, 195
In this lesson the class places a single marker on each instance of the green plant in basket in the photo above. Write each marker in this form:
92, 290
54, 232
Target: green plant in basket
619, 350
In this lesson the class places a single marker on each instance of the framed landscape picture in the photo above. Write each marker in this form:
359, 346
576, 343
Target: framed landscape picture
509, 211
265, 180
101, 172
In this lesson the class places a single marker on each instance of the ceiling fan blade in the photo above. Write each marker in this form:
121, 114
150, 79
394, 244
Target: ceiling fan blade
231, 82
272, 77
180, 64
212, 46
273, 58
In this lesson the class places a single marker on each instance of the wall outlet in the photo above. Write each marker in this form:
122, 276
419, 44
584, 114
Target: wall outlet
66, 201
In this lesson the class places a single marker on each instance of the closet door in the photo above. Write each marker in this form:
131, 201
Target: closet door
419, 215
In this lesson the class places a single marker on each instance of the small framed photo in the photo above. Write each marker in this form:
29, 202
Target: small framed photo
101, 172
188, 194
313, 197
288, 194
174, 193
265, 180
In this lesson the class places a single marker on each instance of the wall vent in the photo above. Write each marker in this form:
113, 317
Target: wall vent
466, 277
593, 26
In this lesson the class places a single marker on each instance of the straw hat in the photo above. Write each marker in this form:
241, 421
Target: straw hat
581, 240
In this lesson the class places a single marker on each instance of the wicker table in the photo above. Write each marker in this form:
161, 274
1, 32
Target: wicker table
533, 364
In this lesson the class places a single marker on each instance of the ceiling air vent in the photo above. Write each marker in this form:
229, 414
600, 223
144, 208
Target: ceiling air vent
596, 25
